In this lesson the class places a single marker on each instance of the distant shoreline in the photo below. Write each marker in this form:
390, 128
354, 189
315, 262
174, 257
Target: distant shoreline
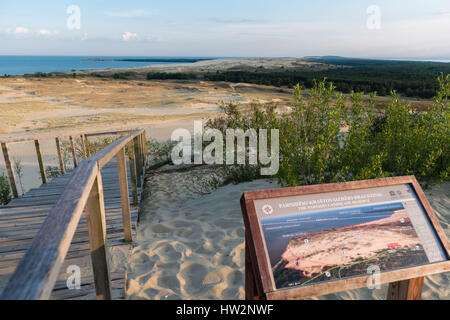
23, 65
174, 60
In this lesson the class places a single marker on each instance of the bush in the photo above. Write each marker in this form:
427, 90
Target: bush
170, 76
52, 172
326, 138
239, 174
124, 75
5, 190
160, 153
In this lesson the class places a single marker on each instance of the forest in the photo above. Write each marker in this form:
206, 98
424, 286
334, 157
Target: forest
409, 78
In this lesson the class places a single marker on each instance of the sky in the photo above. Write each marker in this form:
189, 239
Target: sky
232, 28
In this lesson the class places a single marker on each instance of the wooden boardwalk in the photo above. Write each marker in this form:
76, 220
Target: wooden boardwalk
22, 218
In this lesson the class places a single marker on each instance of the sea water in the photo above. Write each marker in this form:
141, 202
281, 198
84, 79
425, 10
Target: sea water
20, 65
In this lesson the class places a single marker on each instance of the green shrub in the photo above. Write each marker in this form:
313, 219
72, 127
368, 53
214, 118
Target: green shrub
239, 173
159, 153
170, 76
330, 138
5, 190
124, 75
52, 172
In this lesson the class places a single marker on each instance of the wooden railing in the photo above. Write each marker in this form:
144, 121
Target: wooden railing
85, 147
36, 274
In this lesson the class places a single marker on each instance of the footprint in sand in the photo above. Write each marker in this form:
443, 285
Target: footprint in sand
235, 278
179, 224
157, 228
167, 253
170, 282
192, 275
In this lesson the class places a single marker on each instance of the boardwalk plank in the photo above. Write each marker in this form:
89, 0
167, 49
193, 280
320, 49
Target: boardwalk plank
21, 219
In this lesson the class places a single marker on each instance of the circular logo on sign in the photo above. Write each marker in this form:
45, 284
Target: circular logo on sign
267, 209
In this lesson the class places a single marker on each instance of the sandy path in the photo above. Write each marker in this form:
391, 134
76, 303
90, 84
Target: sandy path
192, 247
189, 246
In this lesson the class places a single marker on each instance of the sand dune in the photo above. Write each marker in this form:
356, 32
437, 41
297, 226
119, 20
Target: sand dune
189, 246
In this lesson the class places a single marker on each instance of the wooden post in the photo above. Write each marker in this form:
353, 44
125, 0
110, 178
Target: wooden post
132, 164
41, 163
139, 141
83, 146
10, 171
406, 290
144, 152
125, 197
74, 154
61, 161
96, 220
145, 149
137, 152
141, 138
250, 286
142, 147
138, 159
141, 153
86, 142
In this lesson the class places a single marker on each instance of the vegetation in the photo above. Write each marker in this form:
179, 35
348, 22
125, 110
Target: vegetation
170, 76
330, 138
124, 75
203, 182
18, 167
412, 79
408, 78
159, 153
52, 172
38, 75
5, 190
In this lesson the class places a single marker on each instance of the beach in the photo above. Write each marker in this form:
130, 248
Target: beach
191, 246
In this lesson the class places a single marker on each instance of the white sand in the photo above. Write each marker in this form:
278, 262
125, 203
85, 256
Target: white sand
233, 64
189, 246
192, 247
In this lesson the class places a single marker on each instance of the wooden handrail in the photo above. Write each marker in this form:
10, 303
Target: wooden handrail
86, 152
88, 134
37, 272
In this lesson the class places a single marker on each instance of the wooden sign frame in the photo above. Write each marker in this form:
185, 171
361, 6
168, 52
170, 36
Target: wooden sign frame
405, 284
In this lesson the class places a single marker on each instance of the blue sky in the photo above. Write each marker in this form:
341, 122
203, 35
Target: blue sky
408, 28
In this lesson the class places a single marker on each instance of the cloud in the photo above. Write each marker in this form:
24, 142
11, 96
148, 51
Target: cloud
20, 30
23, 32
138, 13
239, 21
129, 36
44, 32
47, 33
